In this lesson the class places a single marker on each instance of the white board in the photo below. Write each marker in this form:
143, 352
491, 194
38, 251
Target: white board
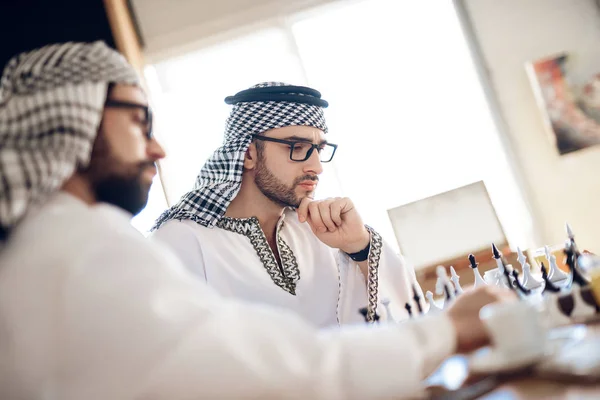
447, 225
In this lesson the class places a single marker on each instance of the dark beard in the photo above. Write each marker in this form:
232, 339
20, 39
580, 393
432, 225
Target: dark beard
127, 193
277, 191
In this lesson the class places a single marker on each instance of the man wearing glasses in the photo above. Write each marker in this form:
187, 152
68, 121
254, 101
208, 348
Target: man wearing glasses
90, 309
251, 228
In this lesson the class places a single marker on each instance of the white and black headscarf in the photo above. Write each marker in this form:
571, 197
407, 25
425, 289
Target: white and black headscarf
51, 104
263, 107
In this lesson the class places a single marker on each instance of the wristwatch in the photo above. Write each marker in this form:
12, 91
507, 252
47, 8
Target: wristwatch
361, 255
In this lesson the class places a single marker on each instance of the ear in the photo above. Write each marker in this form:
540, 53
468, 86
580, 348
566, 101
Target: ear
251, 157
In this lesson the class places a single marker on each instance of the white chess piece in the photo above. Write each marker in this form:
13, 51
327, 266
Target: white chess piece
528, 280
499, 279
444, 282
455, 280
478, 279
433, 307
555, 274
386, 305
581, 309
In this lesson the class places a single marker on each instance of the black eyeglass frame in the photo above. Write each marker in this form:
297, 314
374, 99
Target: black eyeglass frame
292, 143
128, 105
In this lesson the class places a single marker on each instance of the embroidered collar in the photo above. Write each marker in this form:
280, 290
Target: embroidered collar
285, 277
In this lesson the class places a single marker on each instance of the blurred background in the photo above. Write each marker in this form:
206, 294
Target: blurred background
446, 141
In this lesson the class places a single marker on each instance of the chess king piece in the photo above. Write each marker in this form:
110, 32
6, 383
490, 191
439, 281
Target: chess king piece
555, 274
455, 280
474, 266
433, 307
529, 281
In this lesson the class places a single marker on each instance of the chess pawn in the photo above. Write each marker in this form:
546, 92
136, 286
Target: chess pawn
444, 285
581, 309
530, 281
555, 274
433, 307
479, 281
455, 280
385, 302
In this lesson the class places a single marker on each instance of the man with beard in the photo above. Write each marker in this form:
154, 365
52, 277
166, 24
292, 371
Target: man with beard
251, 229
90, 309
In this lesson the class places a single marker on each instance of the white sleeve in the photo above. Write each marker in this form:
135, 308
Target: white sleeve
389, 277
134, 324
182, 241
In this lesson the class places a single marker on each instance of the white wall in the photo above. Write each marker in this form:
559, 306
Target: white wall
510, 34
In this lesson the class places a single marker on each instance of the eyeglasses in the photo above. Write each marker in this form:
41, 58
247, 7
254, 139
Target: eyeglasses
301, 151
146, 109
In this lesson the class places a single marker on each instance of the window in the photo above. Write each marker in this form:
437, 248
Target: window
406, 107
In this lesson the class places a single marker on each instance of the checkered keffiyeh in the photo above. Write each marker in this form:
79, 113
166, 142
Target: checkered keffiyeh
51, 103
221, 176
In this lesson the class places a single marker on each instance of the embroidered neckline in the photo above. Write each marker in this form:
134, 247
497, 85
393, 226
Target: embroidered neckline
373, 272
285, 277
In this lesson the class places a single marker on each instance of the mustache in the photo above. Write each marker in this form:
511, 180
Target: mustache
306, 178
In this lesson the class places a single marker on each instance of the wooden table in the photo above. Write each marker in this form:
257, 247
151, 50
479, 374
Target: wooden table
452, 381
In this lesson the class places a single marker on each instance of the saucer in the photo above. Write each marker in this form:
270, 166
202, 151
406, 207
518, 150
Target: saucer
493, 361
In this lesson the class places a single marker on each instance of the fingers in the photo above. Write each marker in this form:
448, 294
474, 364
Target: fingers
314, 217
326, 215
323, 215
336, 208
302, 209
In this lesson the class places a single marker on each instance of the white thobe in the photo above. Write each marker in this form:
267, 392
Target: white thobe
90, 309
328, 288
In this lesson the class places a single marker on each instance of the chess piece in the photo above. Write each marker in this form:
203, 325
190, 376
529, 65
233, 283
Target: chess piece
554, 314
444, 284
588, 297
433, 307
504, 274
365, 311
582, 309
455, 278
571, 237
386, 306
549, 287
522, 289
417, 299
474, 265
576, 276
408, 309
555, 274
529, 281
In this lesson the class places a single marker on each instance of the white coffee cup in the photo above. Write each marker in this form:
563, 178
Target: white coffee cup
516, 328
